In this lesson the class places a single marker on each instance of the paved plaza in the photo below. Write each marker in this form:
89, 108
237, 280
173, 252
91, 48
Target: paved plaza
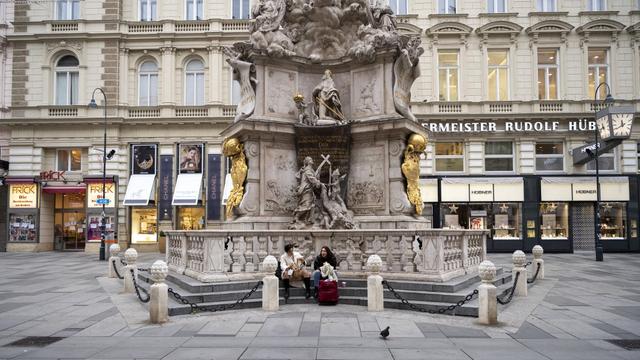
574, 313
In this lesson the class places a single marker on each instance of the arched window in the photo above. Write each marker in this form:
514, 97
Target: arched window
67, 74
194, 10
67, 9
148, 84
194, 83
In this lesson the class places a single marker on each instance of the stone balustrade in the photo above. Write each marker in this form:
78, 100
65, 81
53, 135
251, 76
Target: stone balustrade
445, 253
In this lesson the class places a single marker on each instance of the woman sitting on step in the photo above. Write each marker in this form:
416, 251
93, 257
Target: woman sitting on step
293, 269
326, 256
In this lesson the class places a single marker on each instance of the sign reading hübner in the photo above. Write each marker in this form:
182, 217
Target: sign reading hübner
509, 126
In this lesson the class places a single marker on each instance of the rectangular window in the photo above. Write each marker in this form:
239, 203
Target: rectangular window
554, 221
69, 159
67, 9
507, 221
547, 5
547, 74
606, 162
449, 157
195, 89
497, 6
446, 6
144, 225
66, 87
550, 157
148, 10
498, 156
498, 75
598, 5
598, 70
613, 220
399, 7
194, 10
241, 9
448, 69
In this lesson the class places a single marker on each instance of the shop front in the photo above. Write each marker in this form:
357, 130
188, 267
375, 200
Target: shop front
23, 215
94, 212
140, 197
188, 194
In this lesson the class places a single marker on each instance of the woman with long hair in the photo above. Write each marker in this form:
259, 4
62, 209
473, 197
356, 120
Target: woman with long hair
325, 256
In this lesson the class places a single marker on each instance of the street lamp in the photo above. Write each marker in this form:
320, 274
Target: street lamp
103, 225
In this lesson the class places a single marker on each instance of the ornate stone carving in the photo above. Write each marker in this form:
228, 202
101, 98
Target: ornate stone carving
245, 74
518, 258
374, 264
304, 117
234, 149
114, 249
406, 70
537, 252
487, 272
280, 199
159, 271
130, 256
52, 46
326, 102
266, 30
411, 169
269, 264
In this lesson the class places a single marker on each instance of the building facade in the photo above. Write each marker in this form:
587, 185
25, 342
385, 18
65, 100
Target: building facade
506, 91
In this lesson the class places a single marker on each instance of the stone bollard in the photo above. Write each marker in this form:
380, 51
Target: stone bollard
487, 303
130, 257
270, 296
519, 259
537, 261
159, 293
375, 290
114, 250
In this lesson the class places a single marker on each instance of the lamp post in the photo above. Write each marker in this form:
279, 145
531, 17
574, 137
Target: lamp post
608, 100
93, 105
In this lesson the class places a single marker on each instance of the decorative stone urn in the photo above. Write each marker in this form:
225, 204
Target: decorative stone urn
114, 249
537, 252
374, 264
130, 256
159, 271
518, 258
487, 271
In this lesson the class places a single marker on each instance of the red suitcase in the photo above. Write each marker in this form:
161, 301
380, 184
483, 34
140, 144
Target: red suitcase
328, 292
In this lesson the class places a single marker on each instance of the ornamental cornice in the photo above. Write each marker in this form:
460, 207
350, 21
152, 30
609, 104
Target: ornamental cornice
53, 46
600, 26
499, 28
549, 27
449, 28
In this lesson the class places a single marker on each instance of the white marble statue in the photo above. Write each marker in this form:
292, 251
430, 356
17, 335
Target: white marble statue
406, 70
326, 100
244, 74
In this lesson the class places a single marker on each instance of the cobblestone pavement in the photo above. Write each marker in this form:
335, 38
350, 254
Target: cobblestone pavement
572, 314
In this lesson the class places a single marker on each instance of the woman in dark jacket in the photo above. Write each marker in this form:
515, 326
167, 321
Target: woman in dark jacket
326, 256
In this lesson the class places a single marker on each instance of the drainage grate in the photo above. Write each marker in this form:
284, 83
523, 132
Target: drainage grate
627, 344
36, 341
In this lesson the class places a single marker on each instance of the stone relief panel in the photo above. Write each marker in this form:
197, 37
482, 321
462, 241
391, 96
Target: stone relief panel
280, 181
280, 87
368, 97
365, 194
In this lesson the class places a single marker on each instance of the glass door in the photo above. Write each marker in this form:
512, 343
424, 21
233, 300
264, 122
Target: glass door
70, 221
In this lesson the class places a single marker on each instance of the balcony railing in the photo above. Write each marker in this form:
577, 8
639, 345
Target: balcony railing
63, 111
192, 111
192, 26
144, 112
64, 26
235, 25
145, 27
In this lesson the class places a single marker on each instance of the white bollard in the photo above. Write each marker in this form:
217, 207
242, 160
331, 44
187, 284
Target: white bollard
114, 250
375, 290
519, 259
159, 293
130, 257
487, 303
537, 261
270, 288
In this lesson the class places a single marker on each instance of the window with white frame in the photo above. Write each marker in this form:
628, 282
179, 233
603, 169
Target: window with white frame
606, 161
598, 71
66, 80
69, 159
547, 5
194, 10
498, 156
548, 74
399, 7
148, 10
550, 156
598, 5
241, 9
498, 75
496, 6
148, 84
448, 75
447, 6
67, 9
449, 156
194, 83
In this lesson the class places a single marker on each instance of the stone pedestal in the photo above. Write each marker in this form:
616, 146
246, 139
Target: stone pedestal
375, 293
270, 298
487, 303
159, 293
537, 260
130, 257
519, 259
114, 250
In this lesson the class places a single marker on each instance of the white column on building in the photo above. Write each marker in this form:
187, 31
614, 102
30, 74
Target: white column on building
215, 73
168, 75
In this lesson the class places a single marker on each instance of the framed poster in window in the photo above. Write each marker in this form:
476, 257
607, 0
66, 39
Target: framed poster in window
143, 159
190, 156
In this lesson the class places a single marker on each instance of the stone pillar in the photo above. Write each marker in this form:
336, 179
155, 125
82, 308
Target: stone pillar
130, 257
519, 259
215, 73
375, 290
487, 302
114, 250
168, 75
537, 261
270, 296
159, 293
124, 77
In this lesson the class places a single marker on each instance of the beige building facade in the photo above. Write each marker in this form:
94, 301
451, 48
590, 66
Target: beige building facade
506, 90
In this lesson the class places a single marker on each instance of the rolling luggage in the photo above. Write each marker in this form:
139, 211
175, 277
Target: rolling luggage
328, 292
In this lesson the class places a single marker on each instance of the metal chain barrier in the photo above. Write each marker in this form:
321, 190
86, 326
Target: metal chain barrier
500, 297
535, 276
195, 308
415, 307
115, 268
138, 289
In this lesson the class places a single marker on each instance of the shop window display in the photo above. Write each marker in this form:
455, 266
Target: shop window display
144, 226
507, 221
191, 218
94, 231
554, 221
22, 228
612, 221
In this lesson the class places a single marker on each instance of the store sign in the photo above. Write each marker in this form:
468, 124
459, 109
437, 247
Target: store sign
139, 190
52, 175
509, 126
213, 199
165, 209
23, 196
584, 191
188, 189
480, 192
94, 195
